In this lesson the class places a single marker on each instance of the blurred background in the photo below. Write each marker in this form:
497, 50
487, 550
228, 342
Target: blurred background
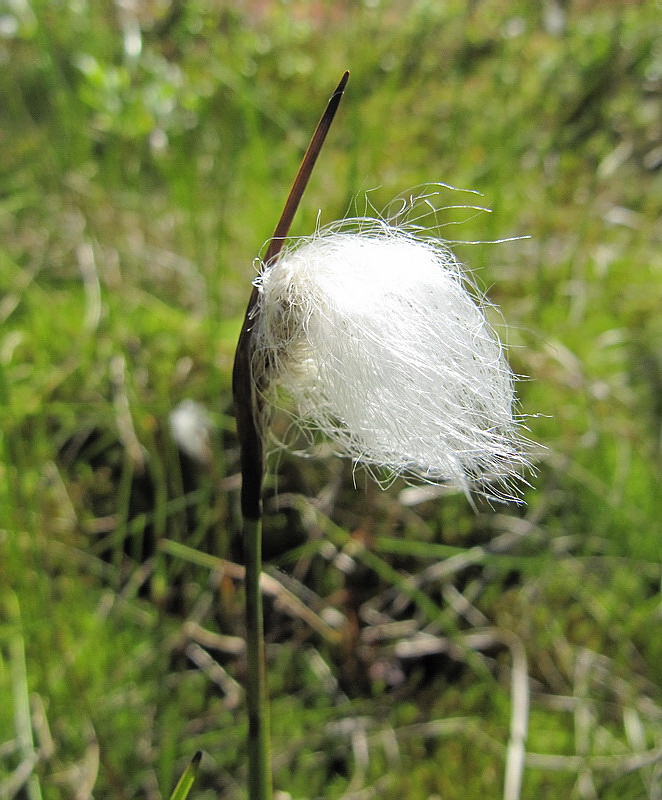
417, 647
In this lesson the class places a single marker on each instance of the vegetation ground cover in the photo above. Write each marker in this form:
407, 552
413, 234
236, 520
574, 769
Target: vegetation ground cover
147, 150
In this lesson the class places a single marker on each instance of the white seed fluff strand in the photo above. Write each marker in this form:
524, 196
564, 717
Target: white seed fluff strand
380, 345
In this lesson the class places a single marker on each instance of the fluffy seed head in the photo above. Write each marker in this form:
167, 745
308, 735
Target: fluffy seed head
381, 344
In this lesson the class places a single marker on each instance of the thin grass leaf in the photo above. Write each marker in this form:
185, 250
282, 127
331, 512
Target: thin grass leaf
185, 783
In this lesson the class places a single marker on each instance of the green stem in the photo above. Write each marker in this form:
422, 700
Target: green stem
259, 761
250, 432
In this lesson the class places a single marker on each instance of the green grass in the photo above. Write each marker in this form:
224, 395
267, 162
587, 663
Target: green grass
135, 190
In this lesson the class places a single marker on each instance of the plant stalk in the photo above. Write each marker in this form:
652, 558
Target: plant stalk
257, 699
250, 432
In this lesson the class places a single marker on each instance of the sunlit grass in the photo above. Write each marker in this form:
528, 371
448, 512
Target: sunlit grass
136, 190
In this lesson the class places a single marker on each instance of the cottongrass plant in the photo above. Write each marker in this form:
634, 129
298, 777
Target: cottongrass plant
382, 346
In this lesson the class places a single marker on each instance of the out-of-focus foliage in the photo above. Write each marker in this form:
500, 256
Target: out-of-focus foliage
147, 150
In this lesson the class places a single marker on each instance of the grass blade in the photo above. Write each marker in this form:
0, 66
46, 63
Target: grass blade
185, 783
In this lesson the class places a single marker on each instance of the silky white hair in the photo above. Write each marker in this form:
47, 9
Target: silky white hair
381, 343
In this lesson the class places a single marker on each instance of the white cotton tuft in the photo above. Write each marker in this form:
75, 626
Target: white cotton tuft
191, 426
381, 346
